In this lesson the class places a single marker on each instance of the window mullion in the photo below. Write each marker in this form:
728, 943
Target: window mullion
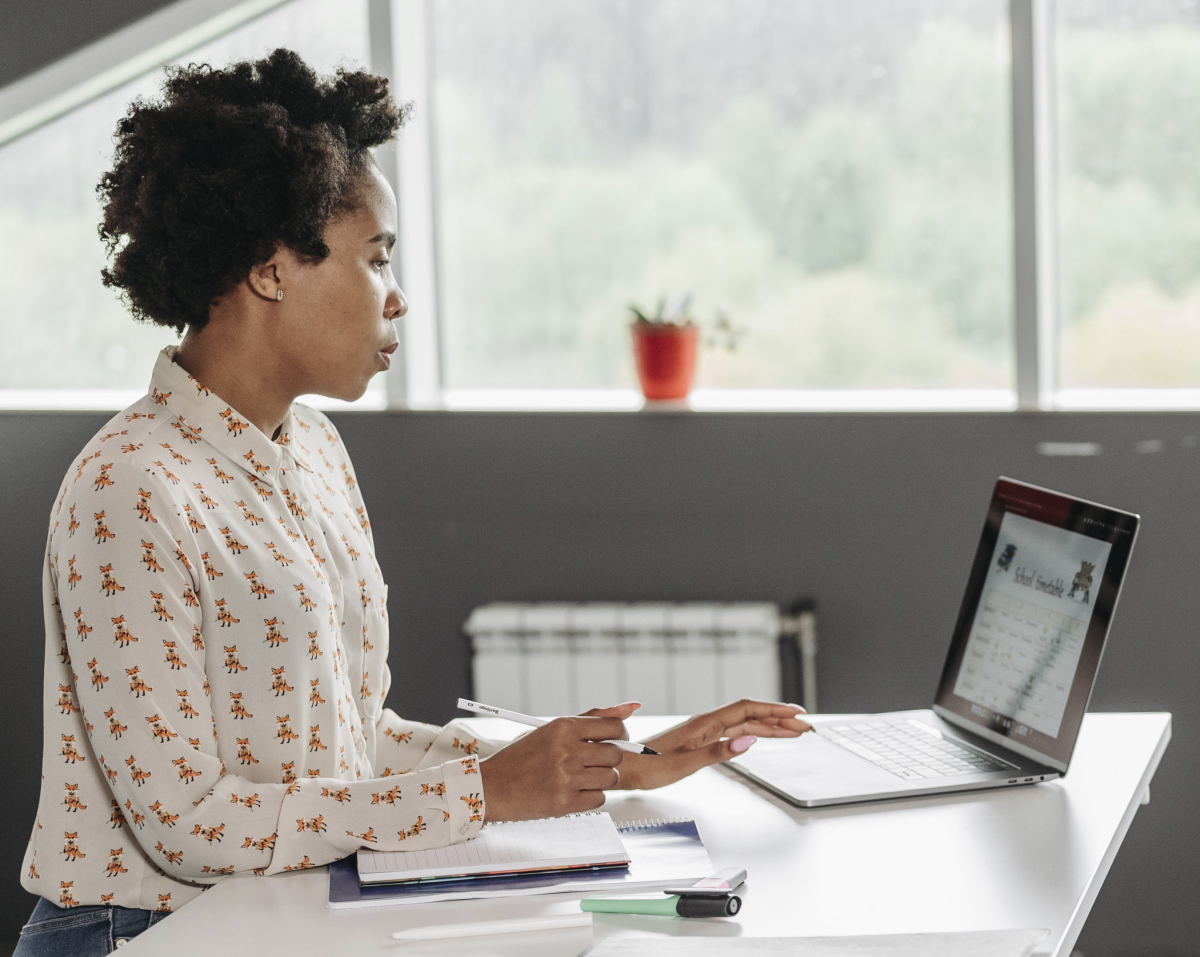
1035, 279
404, 39
379, 26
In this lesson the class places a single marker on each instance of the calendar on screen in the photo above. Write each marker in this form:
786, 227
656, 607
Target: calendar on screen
1029, 628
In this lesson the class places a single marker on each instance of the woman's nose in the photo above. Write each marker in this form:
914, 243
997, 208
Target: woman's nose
397, 304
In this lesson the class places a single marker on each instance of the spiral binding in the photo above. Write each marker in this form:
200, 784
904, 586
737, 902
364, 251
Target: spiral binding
657, 822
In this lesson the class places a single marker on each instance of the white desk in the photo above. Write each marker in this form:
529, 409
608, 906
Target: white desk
1023, 857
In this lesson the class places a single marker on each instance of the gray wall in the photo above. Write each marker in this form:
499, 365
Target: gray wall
876, 516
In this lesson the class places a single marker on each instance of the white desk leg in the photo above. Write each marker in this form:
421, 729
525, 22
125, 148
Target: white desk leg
1146, 796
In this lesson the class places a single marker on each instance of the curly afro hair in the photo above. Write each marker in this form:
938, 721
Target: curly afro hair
227, 167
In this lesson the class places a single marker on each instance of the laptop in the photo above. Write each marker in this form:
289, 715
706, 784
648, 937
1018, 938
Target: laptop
1020, 670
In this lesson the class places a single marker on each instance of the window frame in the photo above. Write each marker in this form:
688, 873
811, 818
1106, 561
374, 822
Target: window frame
401, 45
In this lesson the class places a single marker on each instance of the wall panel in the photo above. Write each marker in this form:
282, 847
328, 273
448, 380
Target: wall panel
876, 516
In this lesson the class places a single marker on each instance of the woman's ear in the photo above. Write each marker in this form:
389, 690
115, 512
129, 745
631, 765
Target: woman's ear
264, 280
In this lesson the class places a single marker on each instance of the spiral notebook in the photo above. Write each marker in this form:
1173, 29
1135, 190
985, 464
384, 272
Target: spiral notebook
509, 847
661, 853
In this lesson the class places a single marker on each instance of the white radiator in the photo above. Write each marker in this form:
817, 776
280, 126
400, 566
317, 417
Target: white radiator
547, 659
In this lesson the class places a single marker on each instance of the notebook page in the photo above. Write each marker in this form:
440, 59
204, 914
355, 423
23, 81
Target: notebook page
574, 841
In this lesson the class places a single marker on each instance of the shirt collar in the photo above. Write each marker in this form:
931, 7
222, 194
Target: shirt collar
202, 415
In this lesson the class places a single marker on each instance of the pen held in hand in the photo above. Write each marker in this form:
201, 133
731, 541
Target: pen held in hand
633, 747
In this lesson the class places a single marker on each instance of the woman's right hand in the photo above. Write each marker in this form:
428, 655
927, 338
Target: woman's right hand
559, 768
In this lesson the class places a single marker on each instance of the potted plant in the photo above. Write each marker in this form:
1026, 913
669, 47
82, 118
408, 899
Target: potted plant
665, 345
664, 350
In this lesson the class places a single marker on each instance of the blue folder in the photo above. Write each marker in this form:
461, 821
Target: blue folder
661, 854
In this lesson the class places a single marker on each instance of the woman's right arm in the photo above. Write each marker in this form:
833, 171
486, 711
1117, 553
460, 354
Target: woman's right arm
126, 580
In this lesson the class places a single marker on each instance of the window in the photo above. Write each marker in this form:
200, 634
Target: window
846, 182
835, 177
1129, 190
67, 339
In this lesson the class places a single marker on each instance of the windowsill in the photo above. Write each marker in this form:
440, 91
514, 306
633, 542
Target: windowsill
1127, 400
701, 400
730, 400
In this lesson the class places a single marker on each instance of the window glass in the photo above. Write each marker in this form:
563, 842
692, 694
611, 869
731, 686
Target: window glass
60, 328
1129, 191
833, 176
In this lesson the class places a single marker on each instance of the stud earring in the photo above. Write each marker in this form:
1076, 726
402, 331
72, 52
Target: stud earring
278, 294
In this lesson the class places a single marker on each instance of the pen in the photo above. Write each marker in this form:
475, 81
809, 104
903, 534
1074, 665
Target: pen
633, 747
486, 928
720, 884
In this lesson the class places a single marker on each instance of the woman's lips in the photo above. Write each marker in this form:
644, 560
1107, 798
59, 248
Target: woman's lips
386, 354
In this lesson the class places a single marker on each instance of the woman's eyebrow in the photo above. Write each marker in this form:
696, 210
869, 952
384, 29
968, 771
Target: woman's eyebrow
389, 237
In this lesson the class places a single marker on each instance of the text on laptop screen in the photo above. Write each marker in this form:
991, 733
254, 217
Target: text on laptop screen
1031, 622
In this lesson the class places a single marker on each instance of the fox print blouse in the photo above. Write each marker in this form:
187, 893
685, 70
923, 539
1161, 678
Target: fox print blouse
216, 665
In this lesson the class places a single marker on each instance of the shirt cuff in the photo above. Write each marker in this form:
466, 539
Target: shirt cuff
464, 797
432, 808
455, 740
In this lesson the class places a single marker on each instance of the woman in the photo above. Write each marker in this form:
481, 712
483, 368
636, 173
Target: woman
216, 660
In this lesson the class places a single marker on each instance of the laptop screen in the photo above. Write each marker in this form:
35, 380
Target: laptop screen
1034, 619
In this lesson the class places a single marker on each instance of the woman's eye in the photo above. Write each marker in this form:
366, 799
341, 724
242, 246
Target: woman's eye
380, 263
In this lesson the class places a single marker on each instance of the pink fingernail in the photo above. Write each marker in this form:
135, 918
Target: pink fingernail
738, 745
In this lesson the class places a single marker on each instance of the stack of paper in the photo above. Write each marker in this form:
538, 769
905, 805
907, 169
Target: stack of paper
661, 854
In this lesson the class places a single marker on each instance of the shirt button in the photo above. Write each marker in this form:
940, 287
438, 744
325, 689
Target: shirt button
335, 587
464, 829
360, 746
306, 505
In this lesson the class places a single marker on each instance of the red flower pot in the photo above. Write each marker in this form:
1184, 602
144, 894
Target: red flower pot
666, 358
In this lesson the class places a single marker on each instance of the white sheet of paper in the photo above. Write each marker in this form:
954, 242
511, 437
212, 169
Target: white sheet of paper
573, 841
988, 943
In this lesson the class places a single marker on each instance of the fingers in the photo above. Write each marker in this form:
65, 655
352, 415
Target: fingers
722, 751
621, 711
589, 800
768, 719
779, 728
750, 709
589, 728
599, 755
688, 762
599, 779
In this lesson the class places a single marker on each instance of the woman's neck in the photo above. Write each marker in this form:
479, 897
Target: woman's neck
240, 373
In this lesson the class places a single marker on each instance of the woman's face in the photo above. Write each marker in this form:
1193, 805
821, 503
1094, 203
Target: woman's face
337, 314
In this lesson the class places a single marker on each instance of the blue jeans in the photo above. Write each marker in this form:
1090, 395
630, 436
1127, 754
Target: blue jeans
92, 930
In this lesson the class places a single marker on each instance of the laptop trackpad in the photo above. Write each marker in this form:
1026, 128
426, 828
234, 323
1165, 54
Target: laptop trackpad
809, 767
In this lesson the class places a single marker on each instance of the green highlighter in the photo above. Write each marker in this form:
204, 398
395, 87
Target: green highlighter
675, 906
711, 897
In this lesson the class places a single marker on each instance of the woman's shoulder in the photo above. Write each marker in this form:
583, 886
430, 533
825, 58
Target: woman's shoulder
125, 449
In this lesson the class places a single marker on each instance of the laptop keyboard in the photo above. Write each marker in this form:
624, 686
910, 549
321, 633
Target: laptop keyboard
908, 749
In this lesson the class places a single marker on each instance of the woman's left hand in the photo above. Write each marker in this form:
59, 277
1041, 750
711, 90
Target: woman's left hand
706, 739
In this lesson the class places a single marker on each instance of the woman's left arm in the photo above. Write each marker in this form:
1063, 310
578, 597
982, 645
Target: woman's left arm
709, 738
